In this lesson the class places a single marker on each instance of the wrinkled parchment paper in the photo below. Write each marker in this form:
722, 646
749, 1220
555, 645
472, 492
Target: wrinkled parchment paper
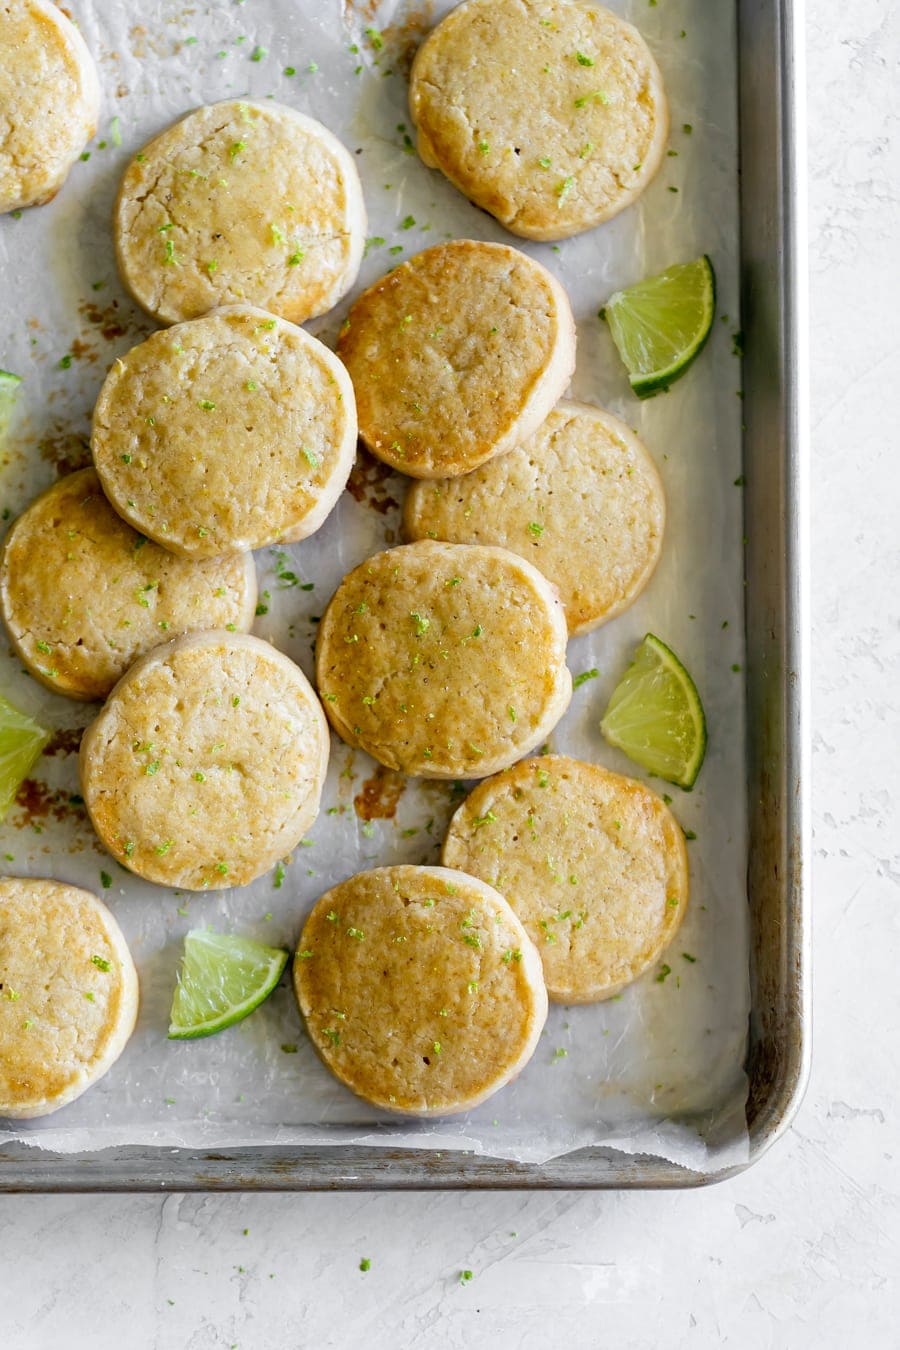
657, 1071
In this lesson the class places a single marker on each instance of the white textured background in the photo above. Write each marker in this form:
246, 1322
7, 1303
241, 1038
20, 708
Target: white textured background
803, 1250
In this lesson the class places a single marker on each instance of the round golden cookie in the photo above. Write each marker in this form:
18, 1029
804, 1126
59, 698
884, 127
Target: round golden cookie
593, 864
240, 202
49, 101
457, 355
444, 660
82, 595
420, 990
207, 762
68, 994
581, 499
549, 114
225, 433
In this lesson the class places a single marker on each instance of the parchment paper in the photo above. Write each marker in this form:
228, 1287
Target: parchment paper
657, 1071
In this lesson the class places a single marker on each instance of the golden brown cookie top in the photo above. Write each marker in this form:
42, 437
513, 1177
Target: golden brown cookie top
444, 660
593, 864
419, 988
457, 355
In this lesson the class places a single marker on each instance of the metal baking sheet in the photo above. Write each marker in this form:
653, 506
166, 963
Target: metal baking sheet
774, 673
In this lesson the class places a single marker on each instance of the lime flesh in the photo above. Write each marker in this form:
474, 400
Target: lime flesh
221, 981
661, 324
9, 386
656, 717
21, 743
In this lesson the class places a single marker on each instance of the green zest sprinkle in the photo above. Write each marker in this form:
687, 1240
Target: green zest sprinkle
407, 223
290, 70
488, 819
375, 38
484, 148
89, 996
65, 362
296, 258
258, 53
277, 234
356, 933
310, 458
170, 254
583, 60
278, 879
105, 882
206, 405
115, 131
560, 1053
564, 188
535, 529
687, 956
585, 675
465, 1276
664, 971
365, 1264
151, 769
101, 963
545, 161
422, 624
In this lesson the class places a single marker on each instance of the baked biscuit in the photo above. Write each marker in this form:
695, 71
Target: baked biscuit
420, 989
240, 203
457, 356
593, 864
549, 114
225, 433
49, 97
206, 764
68, 994
444, 660
581, 499
82, 595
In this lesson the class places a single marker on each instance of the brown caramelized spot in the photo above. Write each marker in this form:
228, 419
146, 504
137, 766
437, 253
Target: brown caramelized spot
37, 801
65, 741
380, 795
406, 38
369, 480
66, 452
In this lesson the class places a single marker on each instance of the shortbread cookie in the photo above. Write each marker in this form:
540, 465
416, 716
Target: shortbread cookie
206, 763
49, 101
420, 989
225, 433
549, 114
594, 865
457, 356
82, 595
68, 994
444, 660
581, 499
240, 203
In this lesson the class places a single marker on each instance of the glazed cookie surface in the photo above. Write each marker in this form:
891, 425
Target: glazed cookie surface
581, 499
594, 864
240, 203
419, 988
69, 994
206, 764
549, 114
49, 97
83, 595
444, 660
225, 433
457, 355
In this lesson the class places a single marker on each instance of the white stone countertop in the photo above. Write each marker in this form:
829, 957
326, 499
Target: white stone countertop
804, 1249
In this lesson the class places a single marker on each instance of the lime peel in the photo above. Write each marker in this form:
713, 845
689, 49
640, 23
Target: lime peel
21, 743
661, 324
222, 980
656, 717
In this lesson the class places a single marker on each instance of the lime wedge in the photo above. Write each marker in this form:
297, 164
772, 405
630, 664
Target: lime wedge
222, 979
656, 717
9, 386
21, 743
661, 324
